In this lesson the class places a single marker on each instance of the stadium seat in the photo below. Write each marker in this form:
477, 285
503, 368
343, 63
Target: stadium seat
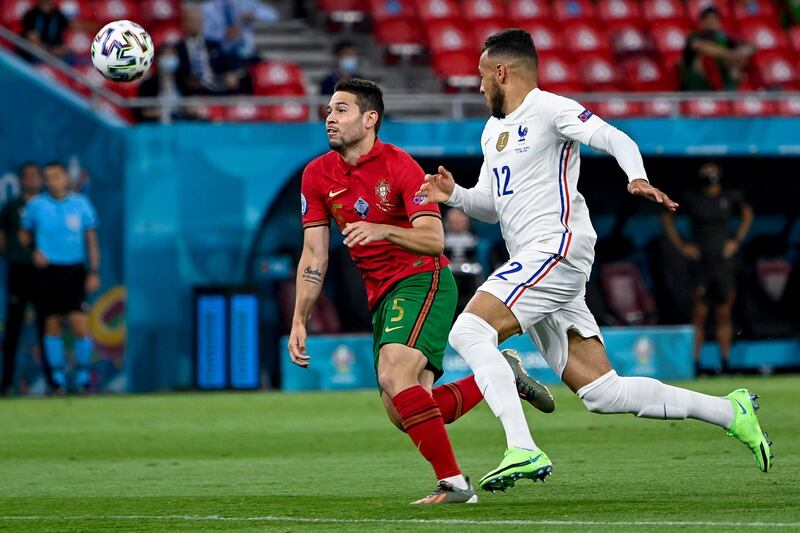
521, 11
238, 113
557, 74
789, 107
104, 11
764, 35
659, 107
381, 10
695, 7
75, 9
482, 29
794, 37
752, 106
777, 70
474, 10
705, 107
546, 35
573, 10
659, 11
400, 36
458, 68
428, 10
629, 39
626, 295
344, 11
755, 9
598, 73
449, 36
13, 11
615, 12
669, 38
166, 34
617, 108
582, 37
645, 74
275, 77
161, 11
79, 43
773, 276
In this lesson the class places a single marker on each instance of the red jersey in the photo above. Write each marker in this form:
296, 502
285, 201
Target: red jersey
381, 188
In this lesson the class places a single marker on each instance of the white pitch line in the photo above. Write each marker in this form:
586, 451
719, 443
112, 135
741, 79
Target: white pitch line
402, 521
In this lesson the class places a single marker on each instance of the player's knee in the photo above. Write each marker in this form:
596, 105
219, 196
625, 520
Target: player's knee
605, 395
469, 330
723, 312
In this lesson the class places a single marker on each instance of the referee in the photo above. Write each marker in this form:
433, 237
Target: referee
23, 283
62, 224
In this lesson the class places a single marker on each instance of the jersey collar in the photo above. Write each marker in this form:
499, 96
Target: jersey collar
515, 115
374, 152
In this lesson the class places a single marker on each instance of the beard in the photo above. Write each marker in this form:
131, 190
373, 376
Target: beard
345, 141
497, 101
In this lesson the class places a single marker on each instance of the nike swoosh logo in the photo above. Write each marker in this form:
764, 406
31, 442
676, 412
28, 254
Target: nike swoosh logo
332, 194
744, 411
389, 330
535, 458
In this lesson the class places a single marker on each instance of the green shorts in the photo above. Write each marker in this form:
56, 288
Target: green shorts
418, 312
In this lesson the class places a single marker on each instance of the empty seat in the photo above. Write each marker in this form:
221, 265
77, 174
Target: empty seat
777, 70
582, 37
276, 77
557, 74
764, 35
617, 108
773, 276
660, 107
645, 74
669, 38
572, 10
13, 11
755, 9
483, 10
528, 10
428, 10
79, 43
629, 39
458, 68
752, 106
346, 11
482, 29
75, 9
794, 37
160, 11
105, 11
401, 36
789, 106
626, 295
381, 10
166, 34
705, 107
658, 11
614, 12
599, 73
546, 35
449, 36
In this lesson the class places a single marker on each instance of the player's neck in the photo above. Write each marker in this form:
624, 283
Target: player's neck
515, 97
352, 154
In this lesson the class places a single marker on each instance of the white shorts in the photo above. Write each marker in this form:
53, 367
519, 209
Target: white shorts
547, 295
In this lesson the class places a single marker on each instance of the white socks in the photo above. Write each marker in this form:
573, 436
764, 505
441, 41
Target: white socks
476, 341
458, 481
649, 398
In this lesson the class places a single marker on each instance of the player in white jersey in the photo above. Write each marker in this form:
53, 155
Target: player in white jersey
528, 183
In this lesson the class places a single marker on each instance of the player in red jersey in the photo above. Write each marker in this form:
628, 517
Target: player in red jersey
369, 188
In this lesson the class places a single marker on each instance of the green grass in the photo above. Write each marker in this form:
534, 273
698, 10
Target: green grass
246, 462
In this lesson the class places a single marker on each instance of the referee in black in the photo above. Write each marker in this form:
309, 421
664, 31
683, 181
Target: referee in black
22, 285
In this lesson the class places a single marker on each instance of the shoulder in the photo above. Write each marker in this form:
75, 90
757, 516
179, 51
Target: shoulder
317, 166
552, 102
81, 199
399, 159
36, 201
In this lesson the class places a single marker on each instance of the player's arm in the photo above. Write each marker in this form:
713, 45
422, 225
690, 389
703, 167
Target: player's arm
425, 236
311, 272
476, 202
686, 248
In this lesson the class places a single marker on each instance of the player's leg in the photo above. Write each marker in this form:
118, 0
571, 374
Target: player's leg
82, 346
699, 317
15, 316
54, 349
723, 312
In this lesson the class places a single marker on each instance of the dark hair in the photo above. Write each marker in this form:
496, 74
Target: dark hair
709, 10
369, 96
27, 164
55, 164
514, 43
342, 45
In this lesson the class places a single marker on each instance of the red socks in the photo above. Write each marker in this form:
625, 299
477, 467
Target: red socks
422, 421
457, 398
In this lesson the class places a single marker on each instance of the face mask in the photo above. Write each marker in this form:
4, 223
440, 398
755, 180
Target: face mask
348, 64
168, 63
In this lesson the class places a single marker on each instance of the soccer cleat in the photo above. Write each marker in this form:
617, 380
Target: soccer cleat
446, 492
528, 388
746, 428
517, 464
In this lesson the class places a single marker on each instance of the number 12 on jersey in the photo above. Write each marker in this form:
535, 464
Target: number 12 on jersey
506, 172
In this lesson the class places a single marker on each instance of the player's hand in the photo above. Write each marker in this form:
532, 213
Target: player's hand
437, 187
92, 282
364, 233
640, 187
730, 248
691, 251
297, 345
39, 259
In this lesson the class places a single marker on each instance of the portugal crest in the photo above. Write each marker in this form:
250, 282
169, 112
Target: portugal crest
383, 189
502, 141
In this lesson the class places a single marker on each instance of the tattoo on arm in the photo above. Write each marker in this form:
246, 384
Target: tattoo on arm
312, 275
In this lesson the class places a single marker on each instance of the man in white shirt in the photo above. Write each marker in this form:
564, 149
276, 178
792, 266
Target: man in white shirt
528, 183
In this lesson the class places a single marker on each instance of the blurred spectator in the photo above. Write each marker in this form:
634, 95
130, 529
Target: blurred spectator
44, 25
713, 60
461, 248
204, 68
231, 23
712, 255
23, 283
347, 64
62, 224
162, 83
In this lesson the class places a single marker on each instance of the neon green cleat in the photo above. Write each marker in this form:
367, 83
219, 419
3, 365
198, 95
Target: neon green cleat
746, 428
517, 464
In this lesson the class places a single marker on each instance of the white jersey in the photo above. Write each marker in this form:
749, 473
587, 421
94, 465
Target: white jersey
529, 179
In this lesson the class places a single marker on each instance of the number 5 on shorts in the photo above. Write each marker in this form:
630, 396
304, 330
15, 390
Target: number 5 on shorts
400, 311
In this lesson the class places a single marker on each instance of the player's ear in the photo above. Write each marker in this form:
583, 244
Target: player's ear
501, 72
370, 119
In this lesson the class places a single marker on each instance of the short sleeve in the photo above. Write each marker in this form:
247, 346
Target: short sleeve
312, 204
569, 119
28, 221
410, 178
88, 215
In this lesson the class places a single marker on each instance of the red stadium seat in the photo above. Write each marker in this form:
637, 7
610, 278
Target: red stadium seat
695, 7
458, 68
777, 70
657, 11
13, 11
482, 29
289, 112
161, 11
598, 73
572, 10
789, 106
449, 36
104, 11
381, 10
557, 74
764, 35
626, 295
669, 38
582, 37
752, 106
705, 107
755, 9
617, 108
166, 34
240, 113
483, 10
428, 10
794, 37
546, 35
630, 39
521, 11
330, 7
644, 74
79, 42
75, 9
614, 12
402, 36
275, 77
659, 107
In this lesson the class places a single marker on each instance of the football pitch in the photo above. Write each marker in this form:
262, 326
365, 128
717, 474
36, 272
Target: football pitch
325, 462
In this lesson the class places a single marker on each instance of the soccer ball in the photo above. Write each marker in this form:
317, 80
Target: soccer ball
122, 51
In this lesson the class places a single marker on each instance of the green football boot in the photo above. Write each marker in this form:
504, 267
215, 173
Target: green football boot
528, 388
517, 464
746, 428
